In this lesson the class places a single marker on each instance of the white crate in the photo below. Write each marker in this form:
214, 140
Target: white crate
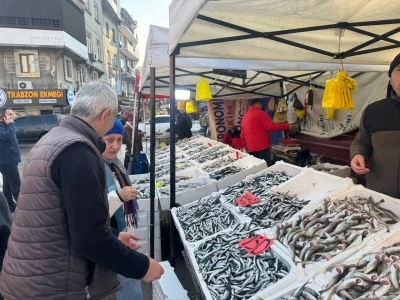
281, 167
143, 232
342, 171
313, 185
191, 173
169, 286
295, 273
251, 165
134, 178
144, 218
189, 196
157, 255
289, 290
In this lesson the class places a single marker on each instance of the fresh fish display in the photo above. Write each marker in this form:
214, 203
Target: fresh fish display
140, 181
165, 181
375, 276
258, 183
336, 226
186, 146
143, 192
273, 208
204, 218
303, 293
230, 272
225, 172
210, 154
328, 170
220, 163
180, 187
180, 166
195, 150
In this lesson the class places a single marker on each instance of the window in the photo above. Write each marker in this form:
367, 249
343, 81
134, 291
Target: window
89, 42
99, 50
115, 60
114, 37
27, 63
84, 75
122, 61
162, 120
124, 87
129, 63
96, 12
95, 75
19, 123
68, 69
89, 6
51, 120
109, 57
107, 30
130, 91
33, 121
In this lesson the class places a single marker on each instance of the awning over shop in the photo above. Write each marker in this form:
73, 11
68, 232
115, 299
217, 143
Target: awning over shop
363, 32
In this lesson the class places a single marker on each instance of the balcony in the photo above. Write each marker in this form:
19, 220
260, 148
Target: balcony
128, 72
111, 8
129, 52
128, 31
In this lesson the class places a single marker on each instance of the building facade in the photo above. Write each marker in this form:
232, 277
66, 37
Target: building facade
42, 45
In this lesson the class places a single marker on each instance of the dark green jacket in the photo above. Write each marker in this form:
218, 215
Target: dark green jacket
378, 140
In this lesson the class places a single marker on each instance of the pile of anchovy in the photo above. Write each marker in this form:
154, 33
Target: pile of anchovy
303, 293
196, 150
218, 164
141, 181
375, 276
230, 272
180, 187
273, 208
143, 192
328, 170
336, 226
204, 218
257, 184
164, 170
165, 181
225, 172
211, 155
186, 146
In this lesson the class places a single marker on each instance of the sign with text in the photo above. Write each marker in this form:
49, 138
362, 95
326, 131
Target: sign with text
34, 97
256, 245
247, 199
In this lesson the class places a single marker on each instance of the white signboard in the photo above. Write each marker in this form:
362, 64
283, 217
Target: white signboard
35, 37
23, 101
70, 96
48, 101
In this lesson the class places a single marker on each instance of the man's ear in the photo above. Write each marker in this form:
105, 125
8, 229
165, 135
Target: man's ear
104, 115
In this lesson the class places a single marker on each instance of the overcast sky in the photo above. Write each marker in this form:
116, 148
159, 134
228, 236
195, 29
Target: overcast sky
147, 12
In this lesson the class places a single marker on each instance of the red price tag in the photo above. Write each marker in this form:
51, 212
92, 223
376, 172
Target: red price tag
209, 145
247, 199
256, 245
237, 155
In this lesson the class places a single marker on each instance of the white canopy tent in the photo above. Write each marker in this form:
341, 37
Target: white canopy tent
263, 78
298, 31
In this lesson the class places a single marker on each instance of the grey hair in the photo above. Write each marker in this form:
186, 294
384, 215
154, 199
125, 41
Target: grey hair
93, 99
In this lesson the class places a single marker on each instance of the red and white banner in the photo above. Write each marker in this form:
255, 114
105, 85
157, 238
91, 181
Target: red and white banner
225, 113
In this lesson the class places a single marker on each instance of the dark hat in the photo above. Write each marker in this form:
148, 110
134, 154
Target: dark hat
394, 64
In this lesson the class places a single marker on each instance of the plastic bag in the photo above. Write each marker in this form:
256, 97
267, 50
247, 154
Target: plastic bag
339, 92
203, 92
291, 113
271, 104
297, 103
280, 115
330, 113
300, 114
191, 107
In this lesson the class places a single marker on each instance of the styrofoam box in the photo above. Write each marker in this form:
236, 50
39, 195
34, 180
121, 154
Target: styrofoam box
144, 204
342, 171
182, 235
371, 240
314, 185
144, 218
146, 245
169, 286
250, 165
191, 173
189, 196
143, 232
289, 290
230, 158
374, 246
281, 167
295, 273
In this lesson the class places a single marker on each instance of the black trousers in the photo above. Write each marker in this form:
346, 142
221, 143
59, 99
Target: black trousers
11, 184
263, 154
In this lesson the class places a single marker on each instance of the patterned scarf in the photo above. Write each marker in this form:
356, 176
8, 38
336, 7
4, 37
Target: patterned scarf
130, 207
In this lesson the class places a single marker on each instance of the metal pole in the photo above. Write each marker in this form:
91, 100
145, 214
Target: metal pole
172, 110
152, 155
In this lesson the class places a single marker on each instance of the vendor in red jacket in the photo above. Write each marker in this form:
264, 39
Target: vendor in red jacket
256, 126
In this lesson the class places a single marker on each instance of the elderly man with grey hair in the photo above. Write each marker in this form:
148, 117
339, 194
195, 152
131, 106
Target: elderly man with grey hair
61, 244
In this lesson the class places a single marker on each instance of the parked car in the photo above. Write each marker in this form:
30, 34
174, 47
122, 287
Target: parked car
33, 128
162, 124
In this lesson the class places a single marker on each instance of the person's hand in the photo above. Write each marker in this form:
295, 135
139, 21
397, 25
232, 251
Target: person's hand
155, 271
129, 240
128, 193
358, 165
8, 120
